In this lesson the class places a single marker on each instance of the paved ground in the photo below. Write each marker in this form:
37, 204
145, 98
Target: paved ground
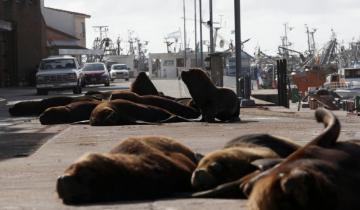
34, 155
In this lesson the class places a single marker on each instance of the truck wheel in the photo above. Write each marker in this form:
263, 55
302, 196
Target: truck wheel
41, 91
77, 90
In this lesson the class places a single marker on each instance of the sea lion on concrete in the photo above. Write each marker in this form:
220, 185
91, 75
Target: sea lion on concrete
213, 102
30, 108
244, 185
138, 168
73, 112
236, 159
142, 85
153, 100
124, 112
321, 175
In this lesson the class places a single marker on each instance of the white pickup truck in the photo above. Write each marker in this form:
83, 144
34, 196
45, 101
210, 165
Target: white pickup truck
59, 73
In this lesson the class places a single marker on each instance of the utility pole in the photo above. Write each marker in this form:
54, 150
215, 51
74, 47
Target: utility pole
196, 47
238, 47
185, 56
212, 50
201, 38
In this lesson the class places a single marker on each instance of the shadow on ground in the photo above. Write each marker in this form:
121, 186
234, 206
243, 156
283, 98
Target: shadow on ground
17, 145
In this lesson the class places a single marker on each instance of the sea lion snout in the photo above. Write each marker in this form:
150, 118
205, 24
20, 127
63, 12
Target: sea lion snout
202, 179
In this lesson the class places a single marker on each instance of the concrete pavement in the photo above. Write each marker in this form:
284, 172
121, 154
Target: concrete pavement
28, 182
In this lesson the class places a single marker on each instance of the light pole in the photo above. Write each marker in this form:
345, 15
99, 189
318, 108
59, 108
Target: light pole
185, 56
212, 50
195, 26
201, 38
238, 47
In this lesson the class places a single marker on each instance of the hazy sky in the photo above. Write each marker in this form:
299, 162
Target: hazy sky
262, 20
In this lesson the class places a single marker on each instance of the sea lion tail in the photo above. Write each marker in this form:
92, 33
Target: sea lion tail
227, 190
174, 119
332, 128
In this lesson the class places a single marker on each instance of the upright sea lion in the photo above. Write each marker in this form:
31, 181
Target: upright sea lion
122, 112
236, 159
138, 168
73, 112
213, 102
29, 108
142, 85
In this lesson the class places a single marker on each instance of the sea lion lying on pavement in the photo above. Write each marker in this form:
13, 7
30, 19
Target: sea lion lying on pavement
30, 108
213, 102
138, 168
124, 112
158, 101
74, 112
236, 159
321, 175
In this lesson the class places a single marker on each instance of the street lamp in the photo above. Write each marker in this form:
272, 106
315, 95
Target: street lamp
238, 46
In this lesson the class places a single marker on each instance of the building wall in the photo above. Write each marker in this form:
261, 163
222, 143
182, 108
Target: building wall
80, 30
26, 40
59, 20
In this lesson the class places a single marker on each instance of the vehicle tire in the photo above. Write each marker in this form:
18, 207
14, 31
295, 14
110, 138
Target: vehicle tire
41, 91
107, 83
77, 90
127, 79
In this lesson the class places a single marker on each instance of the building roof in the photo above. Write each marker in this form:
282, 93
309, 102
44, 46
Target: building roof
75, 13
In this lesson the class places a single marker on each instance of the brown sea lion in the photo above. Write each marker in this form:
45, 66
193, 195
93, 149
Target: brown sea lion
138, 168
142, 85
236, 159
153, 100
245, 185
73, 112
123, 112
321, 175
213, 102
29, 108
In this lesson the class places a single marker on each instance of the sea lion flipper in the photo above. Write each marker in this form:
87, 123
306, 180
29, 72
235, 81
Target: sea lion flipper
227, 190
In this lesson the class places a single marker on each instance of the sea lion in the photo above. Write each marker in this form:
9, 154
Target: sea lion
153, 100
236, 159
213, 102
244, 185
142, 85
324, 174
73, 112
30, 108
123, 112
138, 168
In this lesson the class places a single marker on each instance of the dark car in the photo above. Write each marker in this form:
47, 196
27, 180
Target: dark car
95, 73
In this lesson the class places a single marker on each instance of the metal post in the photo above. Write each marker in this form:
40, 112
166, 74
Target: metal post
212, 50
185, 56
201, 38
196, 47
238, 46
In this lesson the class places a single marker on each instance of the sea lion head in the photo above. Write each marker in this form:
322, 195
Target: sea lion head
91, 179
103, 115
222, 166
298, 187
54, 115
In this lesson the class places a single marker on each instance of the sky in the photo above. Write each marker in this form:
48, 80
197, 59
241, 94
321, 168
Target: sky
261, 20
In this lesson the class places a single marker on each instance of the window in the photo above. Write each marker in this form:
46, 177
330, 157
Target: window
180, 62
83, 32
169, 63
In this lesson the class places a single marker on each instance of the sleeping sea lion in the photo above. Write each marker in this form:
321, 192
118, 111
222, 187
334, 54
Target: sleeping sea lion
138, 168
123, 112
236, 159
73, 112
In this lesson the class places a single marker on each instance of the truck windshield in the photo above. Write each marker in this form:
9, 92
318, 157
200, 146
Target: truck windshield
119, 67
94, 67
57, 64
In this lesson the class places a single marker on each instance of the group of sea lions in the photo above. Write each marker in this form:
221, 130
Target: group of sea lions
141, 103
274, 173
